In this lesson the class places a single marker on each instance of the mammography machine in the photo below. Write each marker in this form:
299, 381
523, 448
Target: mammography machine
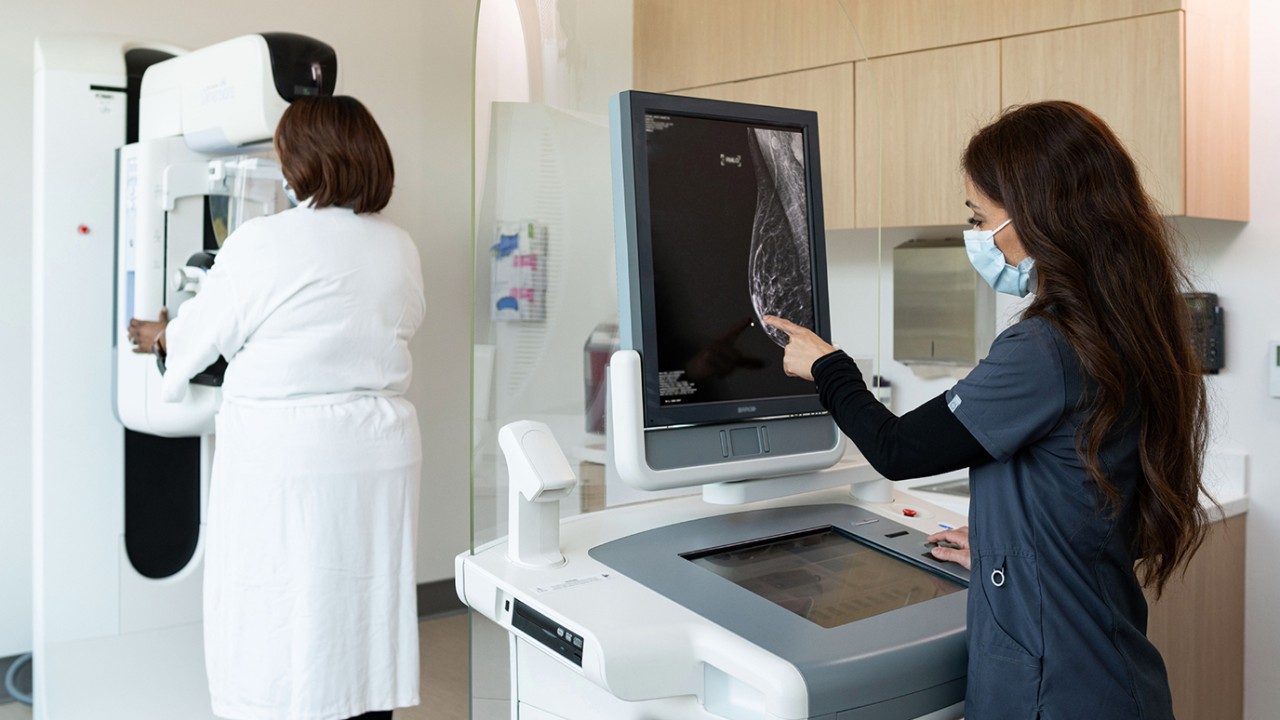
146, 157
797, 586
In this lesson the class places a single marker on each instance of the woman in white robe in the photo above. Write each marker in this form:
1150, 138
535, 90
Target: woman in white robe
309, 590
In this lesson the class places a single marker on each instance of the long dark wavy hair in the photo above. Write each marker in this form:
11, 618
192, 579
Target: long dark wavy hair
1111, 281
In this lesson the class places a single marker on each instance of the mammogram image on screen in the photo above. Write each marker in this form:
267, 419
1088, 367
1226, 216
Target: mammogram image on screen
780, 278
730, 236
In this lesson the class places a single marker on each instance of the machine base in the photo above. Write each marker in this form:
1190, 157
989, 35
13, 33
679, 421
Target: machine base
152, 675
548, 691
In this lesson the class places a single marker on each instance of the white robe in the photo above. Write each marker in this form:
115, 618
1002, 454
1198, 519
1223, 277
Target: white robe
309, 588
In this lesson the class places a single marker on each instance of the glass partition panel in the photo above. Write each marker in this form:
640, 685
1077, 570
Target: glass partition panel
545, 293
546, 297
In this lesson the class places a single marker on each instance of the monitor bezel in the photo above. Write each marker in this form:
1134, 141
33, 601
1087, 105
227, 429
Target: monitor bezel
643, 323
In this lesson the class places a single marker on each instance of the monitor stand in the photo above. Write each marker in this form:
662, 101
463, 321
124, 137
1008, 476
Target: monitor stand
865, 485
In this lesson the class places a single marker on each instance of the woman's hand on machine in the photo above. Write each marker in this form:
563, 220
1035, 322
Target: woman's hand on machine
145, 334
804, 347
955, 550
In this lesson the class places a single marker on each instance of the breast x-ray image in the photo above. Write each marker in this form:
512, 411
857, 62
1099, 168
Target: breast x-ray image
780, 277
730, 228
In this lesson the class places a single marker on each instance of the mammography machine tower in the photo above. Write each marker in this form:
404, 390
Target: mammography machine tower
146, 156
795, 587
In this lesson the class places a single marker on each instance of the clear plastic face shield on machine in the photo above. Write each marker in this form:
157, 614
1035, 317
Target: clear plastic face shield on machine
243, 188
240, 189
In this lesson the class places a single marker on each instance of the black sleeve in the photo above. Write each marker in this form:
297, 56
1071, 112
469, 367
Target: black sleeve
926, 441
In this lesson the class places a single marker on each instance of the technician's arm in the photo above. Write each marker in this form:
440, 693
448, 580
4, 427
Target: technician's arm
926, 441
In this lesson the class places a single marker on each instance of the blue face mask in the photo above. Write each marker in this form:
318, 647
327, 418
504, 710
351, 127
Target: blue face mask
990, 263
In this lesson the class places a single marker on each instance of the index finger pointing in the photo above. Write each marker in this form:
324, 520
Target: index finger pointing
785, 326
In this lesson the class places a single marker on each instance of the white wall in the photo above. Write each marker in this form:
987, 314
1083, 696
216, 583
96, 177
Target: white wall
411, 62
1240, 262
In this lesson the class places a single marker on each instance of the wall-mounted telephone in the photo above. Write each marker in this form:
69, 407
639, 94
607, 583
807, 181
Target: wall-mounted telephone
1207, 330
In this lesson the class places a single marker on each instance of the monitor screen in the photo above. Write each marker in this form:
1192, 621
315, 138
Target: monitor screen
825, 576
731, 241
719, 213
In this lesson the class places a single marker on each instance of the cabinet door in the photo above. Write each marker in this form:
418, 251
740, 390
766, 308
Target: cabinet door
1198, 626
889, 27
681, 44
1129, 72
915, 114
827, 91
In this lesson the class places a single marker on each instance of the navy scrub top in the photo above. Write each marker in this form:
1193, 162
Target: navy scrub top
1056, 617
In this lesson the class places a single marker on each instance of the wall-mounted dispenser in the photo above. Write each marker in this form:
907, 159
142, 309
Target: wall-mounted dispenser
943, 312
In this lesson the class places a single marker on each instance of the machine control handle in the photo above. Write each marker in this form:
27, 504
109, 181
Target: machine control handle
186, 279
539, 477
547, 460
189, 278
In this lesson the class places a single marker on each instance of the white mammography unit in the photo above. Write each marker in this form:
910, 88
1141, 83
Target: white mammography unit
146, 157
819, 600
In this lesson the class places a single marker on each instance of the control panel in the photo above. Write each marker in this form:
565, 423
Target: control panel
542, 629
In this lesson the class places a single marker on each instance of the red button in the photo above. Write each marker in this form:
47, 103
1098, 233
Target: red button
908, 512
83, 229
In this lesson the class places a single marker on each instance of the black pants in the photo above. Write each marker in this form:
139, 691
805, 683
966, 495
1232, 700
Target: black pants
375, 715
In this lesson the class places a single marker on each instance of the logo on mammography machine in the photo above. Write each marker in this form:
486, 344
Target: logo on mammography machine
734, 160
220, 91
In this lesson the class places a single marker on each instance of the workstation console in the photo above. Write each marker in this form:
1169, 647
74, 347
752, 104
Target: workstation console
808, 603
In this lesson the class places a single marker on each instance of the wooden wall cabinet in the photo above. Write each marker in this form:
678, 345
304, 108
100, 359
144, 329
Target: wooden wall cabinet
1169, 76
1198, 626
682, 44
889, 27
914, 116
1129, 72
827, 90
690, 43
1185, 125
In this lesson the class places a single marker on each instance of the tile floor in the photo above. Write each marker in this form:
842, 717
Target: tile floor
444, 642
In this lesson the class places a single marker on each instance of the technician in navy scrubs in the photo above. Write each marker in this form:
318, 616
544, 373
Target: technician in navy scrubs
1084, 428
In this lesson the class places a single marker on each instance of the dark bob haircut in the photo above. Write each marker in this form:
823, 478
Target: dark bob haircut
333, 152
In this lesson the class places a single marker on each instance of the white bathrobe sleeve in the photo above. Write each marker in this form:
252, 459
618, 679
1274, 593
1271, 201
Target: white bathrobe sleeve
208, 325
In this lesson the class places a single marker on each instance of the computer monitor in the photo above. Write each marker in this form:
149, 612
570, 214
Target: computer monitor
718, 208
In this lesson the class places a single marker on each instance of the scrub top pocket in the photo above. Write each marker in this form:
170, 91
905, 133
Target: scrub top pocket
1006, 646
